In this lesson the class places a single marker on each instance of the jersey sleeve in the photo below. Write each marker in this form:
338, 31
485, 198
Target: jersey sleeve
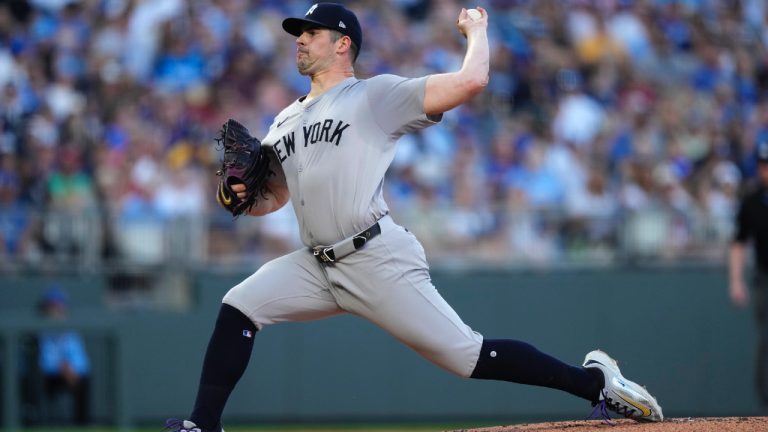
397, 104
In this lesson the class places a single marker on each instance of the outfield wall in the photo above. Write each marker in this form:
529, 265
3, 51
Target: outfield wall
671, 329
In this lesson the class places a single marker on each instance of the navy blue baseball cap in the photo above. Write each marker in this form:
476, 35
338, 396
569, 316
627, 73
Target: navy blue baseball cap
328, 15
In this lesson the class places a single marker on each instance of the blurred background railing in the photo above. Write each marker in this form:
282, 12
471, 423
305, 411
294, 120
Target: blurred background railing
88, 241
147, 260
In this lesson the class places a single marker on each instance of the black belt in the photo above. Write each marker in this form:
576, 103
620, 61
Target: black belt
333, 253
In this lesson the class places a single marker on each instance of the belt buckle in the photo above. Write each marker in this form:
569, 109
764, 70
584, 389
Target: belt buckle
321, 253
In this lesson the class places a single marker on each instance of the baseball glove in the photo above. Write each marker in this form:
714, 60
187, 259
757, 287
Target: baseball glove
244, 162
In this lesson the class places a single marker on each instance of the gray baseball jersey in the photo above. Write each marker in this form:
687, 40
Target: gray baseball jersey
334, 151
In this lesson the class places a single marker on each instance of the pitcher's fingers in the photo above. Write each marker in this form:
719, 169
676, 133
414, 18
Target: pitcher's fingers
239, 189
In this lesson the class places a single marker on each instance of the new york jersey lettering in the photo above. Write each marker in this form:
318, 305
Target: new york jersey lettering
327, 131
321, 131
289, 143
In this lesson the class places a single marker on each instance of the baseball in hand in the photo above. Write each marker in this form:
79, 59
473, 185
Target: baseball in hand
474, 14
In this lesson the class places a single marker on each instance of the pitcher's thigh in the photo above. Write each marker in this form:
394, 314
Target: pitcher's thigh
389, 284
289, 288
420, 318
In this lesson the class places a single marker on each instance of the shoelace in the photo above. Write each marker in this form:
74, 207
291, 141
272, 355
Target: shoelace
608, 403
174, 425
601, 413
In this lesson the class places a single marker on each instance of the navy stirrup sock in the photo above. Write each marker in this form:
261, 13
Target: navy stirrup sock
226, 359
519, 362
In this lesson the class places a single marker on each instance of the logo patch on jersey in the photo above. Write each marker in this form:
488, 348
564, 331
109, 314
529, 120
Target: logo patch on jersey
311, 9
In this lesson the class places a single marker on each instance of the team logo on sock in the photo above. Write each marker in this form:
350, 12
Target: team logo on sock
248, 333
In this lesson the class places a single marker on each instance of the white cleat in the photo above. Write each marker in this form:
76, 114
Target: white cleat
622, 395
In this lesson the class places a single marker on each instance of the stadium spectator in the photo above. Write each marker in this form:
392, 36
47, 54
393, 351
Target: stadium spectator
64, 362
71, 223
721, 199
17, 223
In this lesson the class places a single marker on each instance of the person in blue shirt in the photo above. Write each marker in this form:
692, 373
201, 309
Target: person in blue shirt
63, 359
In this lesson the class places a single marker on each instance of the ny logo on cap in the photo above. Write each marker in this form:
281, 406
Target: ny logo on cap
311, 9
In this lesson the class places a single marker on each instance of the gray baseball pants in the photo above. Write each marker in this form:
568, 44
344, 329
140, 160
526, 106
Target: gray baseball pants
386, 282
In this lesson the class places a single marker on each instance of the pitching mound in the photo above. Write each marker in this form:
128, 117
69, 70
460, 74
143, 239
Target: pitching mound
705, 424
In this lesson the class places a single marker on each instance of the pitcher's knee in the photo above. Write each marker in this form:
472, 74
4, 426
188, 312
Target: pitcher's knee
236, 299
459, 360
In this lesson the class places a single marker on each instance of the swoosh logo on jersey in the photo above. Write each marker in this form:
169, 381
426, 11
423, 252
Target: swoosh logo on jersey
281, 122
226, 199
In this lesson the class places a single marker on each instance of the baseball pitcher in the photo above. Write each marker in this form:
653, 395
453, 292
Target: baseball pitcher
327, 154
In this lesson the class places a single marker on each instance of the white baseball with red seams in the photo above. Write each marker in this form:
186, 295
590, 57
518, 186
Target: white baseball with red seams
474, 14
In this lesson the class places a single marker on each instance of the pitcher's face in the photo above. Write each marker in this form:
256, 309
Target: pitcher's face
315, 51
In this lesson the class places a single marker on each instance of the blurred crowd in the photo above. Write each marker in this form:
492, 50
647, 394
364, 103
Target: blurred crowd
608, 127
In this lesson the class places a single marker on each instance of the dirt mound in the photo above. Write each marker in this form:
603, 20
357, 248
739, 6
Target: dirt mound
701, 424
